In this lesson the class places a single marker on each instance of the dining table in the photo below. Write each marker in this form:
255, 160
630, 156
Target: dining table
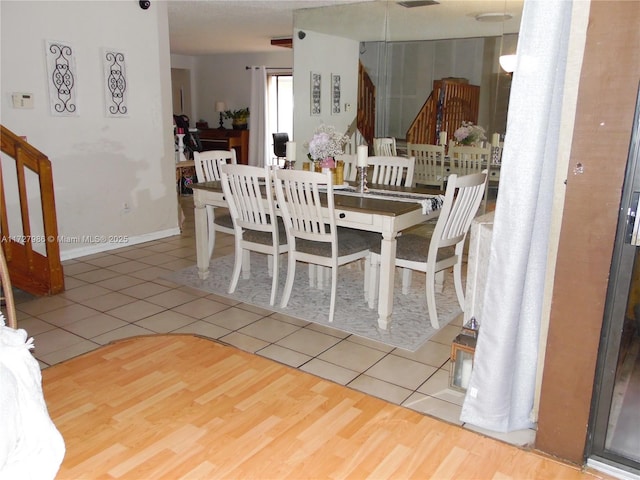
383, 209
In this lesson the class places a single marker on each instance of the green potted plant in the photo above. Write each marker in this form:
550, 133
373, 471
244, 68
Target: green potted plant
238, 118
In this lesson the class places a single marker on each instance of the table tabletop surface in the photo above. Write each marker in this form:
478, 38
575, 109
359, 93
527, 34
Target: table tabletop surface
367, 202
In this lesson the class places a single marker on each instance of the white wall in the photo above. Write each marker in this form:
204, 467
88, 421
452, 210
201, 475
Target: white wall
325, 54
224, 78
99, 163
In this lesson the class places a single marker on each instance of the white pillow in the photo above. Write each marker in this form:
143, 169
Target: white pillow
31, 447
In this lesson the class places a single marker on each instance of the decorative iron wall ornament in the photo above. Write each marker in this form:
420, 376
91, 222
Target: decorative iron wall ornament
335, 94
61, 67
115, 81
316, 83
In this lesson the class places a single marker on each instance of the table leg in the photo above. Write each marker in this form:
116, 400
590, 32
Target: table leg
387, 273
202, 237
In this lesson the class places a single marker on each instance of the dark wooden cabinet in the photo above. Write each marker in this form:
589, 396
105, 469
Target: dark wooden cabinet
225, 139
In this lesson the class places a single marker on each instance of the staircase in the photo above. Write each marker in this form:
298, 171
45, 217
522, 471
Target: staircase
30, 271
451, 102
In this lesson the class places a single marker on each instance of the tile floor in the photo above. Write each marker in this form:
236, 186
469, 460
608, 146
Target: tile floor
120, 293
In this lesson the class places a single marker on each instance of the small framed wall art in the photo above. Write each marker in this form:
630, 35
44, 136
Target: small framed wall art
63, 79
316, 84
335, 94
115, 83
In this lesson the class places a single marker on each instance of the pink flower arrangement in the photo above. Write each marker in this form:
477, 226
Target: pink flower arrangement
325, 144
469, 134
328, 162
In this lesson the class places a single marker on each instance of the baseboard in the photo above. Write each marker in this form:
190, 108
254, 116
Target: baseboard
103, 247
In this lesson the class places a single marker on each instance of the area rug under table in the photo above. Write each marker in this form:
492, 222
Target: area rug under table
409, 328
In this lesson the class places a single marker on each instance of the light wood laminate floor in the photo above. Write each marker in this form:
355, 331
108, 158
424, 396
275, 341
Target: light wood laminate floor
180, 406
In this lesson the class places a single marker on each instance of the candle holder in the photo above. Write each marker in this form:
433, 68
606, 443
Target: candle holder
361, 179
289, 164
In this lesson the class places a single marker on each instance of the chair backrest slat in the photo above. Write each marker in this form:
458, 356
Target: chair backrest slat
466, 160
299, 199
461, 202
385, 146
429, 164
243, 188
390, 170
208, 163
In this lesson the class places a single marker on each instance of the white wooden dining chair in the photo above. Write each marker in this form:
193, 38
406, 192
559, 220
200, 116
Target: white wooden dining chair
429, 165
207, 165
465, 160
390, 170
350, 164
312, 234
385, 146
442, 247
255, 223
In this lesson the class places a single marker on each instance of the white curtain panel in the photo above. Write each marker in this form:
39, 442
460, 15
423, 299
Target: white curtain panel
258, 117
500, 396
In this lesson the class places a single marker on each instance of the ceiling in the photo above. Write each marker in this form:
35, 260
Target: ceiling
203, 27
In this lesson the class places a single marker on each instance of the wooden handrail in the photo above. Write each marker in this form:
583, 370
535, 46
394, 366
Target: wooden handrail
7, 292
366, 105
30, 271
420, 130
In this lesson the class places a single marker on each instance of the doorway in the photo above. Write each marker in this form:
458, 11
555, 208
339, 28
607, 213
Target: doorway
614, 430
181, 91
280, 107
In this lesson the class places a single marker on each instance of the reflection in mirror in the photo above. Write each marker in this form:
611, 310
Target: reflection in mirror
405, 50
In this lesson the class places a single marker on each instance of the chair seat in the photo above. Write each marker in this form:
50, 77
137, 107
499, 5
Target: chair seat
349, 242
224, 220
265, 238
415, 248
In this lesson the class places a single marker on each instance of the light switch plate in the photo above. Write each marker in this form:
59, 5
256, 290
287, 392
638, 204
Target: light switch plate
22, 100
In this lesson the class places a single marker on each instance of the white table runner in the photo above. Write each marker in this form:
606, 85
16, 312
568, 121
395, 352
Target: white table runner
429, 202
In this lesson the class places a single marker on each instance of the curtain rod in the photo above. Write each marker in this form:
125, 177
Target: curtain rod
270, 68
